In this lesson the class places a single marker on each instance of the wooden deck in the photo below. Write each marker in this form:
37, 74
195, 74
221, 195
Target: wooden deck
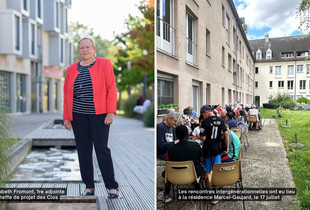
132, 148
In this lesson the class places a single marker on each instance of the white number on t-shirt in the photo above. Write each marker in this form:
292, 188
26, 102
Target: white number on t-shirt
214, 132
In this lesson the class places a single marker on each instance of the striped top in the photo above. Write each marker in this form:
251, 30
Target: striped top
83, 98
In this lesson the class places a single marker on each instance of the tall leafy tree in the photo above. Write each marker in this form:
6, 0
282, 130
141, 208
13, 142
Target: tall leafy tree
303, 13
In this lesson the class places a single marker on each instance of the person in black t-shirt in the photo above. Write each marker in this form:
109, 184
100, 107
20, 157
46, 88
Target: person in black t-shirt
166, 134
210, 133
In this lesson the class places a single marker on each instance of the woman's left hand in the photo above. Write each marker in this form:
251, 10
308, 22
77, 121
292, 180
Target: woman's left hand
109, 118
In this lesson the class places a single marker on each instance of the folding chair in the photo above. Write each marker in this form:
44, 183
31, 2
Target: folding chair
180, 173
225, 174
252, 119
238, 132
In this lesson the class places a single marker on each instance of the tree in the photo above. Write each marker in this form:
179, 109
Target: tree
303, 13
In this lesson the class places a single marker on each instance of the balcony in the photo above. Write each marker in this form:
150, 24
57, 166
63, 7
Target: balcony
165, 37
191, 49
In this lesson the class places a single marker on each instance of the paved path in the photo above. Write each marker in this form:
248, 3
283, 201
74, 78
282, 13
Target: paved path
132, 148
263, 166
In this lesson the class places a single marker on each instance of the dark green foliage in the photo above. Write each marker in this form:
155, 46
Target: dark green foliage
270, 106
148, 117
302, 100
282, 100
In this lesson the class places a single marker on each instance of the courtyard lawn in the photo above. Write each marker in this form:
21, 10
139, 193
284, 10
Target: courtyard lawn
299, 158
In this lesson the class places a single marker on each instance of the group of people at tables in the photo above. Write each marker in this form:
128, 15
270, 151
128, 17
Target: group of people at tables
178, 135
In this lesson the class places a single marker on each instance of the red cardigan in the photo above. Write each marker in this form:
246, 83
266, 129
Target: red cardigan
104, 88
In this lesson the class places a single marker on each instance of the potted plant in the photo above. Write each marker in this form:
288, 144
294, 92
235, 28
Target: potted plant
163, 108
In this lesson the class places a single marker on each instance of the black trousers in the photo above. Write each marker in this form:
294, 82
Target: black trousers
89, 130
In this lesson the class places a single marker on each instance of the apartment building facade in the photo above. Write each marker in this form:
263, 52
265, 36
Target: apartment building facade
34, 50
282, 66
203, 55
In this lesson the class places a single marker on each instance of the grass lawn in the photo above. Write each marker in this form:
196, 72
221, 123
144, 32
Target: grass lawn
299, 158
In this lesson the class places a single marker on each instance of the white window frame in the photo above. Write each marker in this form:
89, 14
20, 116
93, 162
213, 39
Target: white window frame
308, 70
258, 54
270, 69
290, 70
227, 26
34, 36
196, 103
190, 56
57, 14
269, 54
302, 85
278, 71
299, 68
282, 84
290, 88
169, 79
165, 39
17, 37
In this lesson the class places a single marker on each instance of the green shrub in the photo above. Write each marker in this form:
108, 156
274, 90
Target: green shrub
270, 106
129, 104
302, 100
288, 104
5, 129
148, 117
283, 100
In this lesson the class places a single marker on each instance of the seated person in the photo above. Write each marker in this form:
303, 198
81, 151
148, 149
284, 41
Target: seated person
231, 121
186, 120
254, 111
234, 147
140, 109
223, 114
242, 121
166, 134
192, 113
183, 151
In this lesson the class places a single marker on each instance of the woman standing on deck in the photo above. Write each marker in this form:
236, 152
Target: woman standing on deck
90, 98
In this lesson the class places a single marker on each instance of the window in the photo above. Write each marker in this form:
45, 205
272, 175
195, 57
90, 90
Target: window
66, 20
32, 42
256, 84
239, 50
227, 29
190, 37
270, 84
281, 84
234, 39
290, 71
278, 71
229, 62
256, 70
57, 14
165, 90
308, 69
17, 33
196, 103
270, 69
290, 85
269, 54
243, 52
287, 55
258, 55
302, 85
164, 28
299, 68
223, 56
223, 15
61, 50
208, 42
25, 5
302, 54
39, 9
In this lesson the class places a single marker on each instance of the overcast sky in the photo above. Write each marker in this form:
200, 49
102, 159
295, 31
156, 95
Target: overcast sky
275, 17
104, 16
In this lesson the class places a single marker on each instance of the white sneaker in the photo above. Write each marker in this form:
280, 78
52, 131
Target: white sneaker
160, 197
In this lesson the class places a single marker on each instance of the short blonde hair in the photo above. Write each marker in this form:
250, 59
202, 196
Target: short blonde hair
90, 39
